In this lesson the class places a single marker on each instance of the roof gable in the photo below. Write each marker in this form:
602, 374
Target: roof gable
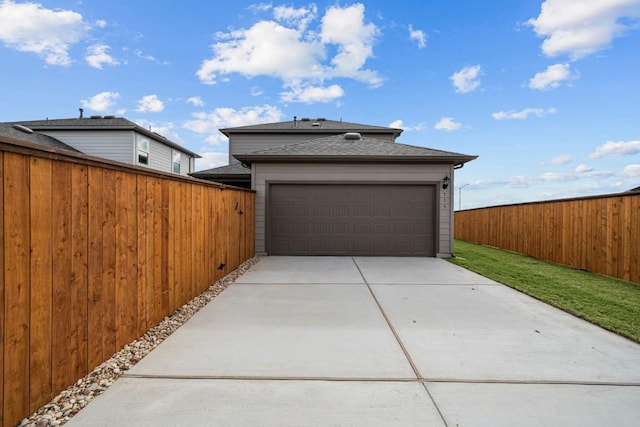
339, 148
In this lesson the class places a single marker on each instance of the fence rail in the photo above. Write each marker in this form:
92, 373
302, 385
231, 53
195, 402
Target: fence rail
597, 234
93, 254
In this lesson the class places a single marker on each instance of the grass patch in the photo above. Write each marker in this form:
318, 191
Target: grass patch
610, 303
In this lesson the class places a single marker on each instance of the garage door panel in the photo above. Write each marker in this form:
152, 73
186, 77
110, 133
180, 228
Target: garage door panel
351, 219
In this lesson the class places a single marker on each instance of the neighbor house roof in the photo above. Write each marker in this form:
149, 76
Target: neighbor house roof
232, 170
23, 133
104, 123
307, 125
340, 148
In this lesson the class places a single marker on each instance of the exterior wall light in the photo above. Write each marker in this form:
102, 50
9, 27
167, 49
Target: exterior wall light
445, 182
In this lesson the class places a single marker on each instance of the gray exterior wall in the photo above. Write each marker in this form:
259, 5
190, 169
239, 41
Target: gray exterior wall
121, 146
185, 164
246, 143
369, 173
159, 156
112, 145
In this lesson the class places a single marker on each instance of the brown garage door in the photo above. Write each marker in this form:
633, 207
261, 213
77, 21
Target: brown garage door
351, 219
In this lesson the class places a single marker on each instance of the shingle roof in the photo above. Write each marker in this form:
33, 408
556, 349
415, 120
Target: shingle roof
337, 148
8, 129
232, 169
320, 125
100, 123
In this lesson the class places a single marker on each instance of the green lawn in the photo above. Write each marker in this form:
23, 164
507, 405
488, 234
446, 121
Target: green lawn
610, 303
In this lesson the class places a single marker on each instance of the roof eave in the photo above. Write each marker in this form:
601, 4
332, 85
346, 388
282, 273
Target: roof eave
454, 160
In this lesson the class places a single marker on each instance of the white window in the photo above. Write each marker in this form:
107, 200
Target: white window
175, 162
143, 150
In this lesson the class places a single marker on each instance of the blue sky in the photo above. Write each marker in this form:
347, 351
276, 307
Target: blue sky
547, 93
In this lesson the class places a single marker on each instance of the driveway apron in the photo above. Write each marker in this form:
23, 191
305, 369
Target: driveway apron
376, 341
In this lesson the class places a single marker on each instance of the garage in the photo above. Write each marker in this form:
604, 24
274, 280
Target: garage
351, 219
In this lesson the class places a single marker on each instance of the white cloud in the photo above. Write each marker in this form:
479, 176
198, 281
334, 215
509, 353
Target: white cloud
97, 56
29, 27
552, 77
526, 181
209, 123
166, 129
311, 94
285, 49
212, 159
150, 104
419, 36
448, 124
397, 124
583, 169
582, 28
562, 159
344, 27
616, 148
467, 79
300, 17
256, 91
101, 23
268, 49
631, 171
196, 101
523, 114
101, 102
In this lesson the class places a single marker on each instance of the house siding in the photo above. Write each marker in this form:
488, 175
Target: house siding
112, 145
366, 173
159, 156
184, 163
247, 143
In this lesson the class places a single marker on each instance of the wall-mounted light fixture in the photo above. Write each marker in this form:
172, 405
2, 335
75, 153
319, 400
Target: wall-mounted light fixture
445, 182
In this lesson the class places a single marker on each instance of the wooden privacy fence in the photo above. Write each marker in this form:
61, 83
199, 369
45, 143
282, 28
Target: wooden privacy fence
94, 254
597, 234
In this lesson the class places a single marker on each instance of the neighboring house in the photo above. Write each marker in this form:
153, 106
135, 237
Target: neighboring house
117, 139
334, 188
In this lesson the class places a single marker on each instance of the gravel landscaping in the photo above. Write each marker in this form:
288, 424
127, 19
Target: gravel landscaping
74, 398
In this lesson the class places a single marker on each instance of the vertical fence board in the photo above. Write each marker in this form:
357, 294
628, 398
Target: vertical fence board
41, 282
593, 234
16, 276
61, 300
108, 313
95, 299
634, 248
144, 253
2, 289
165, 244
78, 286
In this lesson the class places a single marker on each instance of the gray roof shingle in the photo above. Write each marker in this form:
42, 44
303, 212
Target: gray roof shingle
306, 125
232, 169
337, 148
8, 130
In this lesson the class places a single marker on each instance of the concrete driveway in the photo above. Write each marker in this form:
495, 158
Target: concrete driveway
342, 341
